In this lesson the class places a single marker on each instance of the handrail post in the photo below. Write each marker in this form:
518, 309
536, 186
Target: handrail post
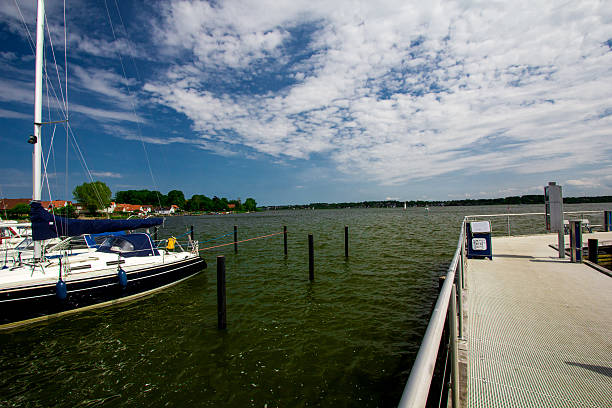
452, 315
460, 307
463, 257
508, 225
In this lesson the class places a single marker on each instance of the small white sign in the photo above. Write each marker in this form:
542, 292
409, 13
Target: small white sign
479, 244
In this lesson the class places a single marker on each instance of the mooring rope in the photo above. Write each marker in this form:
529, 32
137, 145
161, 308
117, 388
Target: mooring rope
212, 239
199, 242
244, 240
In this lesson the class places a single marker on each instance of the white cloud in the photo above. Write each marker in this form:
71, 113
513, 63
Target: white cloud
114, 87
106, 174
399, 91
13, 115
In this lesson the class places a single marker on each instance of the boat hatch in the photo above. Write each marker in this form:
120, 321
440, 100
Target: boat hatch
129, 245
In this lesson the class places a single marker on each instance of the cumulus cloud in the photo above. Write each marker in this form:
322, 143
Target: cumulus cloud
399, 90
112, 86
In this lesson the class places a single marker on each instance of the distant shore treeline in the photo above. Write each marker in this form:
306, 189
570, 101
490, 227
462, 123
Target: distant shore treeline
514, 200
197, 202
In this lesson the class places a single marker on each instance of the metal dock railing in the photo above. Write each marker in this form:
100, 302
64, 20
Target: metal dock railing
448, 310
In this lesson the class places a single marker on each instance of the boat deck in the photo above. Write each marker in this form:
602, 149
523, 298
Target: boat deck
538, 329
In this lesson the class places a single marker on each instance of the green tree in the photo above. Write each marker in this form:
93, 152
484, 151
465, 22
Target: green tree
95, 196
141, 197
20, 210
67, 211
199, 202
176, 197
238, 205
250, 204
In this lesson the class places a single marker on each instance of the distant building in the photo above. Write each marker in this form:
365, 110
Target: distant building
111, 208
55, 204
131, 208
10, 203
167, 210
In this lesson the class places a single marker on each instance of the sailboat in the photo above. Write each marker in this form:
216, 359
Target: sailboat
123, 267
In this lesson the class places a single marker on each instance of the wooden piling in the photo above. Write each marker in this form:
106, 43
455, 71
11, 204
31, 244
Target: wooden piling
310, 257
285, 238
191, 234
593, 249
221, 303
235, 239
346, 246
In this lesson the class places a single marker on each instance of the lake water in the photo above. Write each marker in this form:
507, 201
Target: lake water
347, 339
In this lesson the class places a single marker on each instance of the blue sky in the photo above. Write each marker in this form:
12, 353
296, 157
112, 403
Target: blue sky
314, 101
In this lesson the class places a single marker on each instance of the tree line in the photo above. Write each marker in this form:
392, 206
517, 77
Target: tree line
97, 196
197, 202
513, 200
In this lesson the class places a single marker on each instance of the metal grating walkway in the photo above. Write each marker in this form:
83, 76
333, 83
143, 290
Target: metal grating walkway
539, 329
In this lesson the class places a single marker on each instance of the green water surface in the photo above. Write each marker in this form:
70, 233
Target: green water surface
347, 339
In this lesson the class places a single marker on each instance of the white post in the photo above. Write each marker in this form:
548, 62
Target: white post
37, 154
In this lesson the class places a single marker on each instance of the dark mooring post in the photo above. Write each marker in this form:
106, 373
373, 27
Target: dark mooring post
235, 239
593, 244
310, 257
221, 304
285, 238
345, 241
191, 234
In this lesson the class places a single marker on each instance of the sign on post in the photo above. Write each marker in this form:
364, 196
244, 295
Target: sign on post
553, 200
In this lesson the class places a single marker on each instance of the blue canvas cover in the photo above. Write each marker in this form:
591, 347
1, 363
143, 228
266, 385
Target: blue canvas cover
46, 225
129, 245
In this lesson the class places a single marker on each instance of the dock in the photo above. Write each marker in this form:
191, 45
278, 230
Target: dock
538, 329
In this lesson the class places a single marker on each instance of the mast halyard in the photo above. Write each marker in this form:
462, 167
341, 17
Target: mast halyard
37, 154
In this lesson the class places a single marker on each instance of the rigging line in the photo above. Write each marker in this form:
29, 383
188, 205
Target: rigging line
66, 57
132, 103
132, 53
30, 40
46, 177
45, 162
66, 74
127, 37
83, 162
60, 108
75, 143
59, 81
53, 134
3, 202
51, 150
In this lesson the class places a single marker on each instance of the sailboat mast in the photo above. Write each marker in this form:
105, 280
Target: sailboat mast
37, 154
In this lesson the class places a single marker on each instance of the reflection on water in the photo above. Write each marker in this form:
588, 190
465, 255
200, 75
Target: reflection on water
346, 339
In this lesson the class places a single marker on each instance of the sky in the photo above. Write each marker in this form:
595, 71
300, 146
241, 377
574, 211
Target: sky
294, 102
